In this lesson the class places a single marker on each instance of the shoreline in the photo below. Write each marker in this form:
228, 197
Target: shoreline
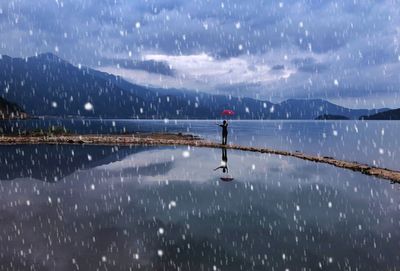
154, 139
189, 119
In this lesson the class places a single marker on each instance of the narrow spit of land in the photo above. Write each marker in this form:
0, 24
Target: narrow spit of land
189, 140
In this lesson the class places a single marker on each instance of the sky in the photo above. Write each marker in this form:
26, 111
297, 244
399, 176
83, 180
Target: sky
346, 51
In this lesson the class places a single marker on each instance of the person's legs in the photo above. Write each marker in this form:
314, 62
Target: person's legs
224, 139
224, 155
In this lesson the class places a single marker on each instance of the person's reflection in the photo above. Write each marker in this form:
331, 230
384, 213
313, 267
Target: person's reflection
224, 166
224, 162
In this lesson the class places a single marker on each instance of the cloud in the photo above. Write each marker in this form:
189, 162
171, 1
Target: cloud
309, 64
345, 39
278, 67
203, 72
150, 66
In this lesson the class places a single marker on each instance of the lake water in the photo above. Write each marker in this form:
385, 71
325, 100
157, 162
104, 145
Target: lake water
373, 142
167, 208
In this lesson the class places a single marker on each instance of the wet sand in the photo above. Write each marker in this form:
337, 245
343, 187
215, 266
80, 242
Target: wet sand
189, 140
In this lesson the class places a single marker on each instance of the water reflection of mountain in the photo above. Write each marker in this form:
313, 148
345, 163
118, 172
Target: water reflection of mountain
53, 162
279, 214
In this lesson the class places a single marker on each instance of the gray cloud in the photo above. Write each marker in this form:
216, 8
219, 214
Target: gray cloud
309, 64
278, 67
150, 66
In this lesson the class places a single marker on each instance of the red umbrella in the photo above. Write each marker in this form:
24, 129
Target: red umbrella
228, 112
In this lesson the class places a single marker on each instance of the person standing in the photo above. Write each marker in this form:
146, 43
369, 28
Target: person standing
224, 127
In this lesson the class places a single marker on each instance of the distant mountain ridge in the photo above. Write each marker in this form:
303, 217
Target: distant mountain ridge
46, 85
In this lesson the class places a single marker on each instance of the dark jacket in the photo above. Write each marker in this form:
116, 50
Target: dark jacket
224, 128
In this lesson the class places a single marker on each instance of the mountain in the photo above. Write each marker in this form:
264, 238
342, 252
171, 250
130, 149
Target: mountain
331, 117
386, 115
46, 85
11, 110
311, 109
177, 103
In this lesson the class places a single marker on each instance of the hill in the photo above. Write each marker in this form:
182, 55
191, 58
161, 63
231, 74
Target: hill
311, 109
331, 117
11, 110
386, 115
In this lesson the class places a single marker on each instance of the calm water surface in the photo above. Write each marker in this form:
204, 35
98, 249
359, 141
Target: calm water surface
373, 142
107, 208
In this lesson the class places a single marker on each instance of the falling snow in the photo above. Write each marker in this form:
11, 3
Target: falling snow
312, 77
